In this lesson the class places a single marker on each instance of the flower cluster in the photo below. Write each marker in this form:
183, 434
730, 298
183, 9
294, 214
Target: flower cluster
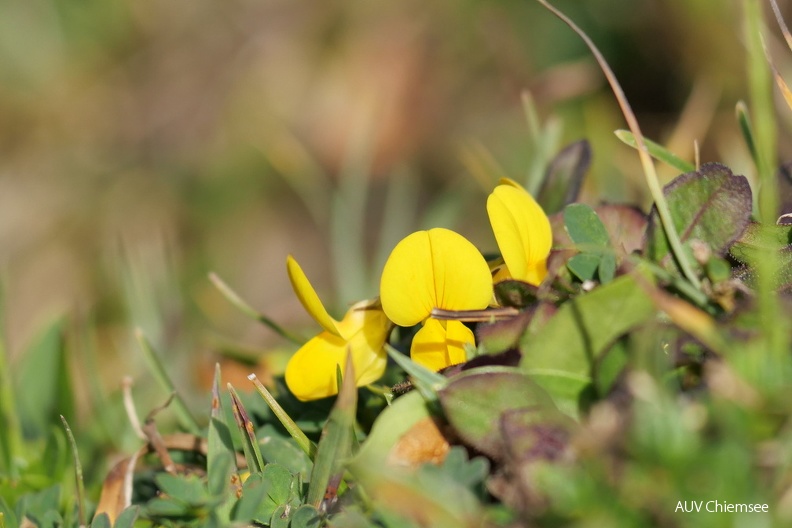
427, 270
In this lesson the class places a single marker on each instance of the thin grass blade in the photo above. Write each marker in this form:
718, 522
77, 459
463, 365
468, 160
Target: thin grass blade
746, 129
308, 447
781, 23
249, 443
11, 437
78, 473
186, 418
251, 312
657, 151
650, 172
220, 456
335, 446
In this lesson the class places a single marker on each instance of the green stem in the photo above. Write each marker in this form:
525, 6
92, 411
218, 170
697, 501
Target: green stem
10, 432
760, 85
251, 312
182, 411
646, 160
308, 447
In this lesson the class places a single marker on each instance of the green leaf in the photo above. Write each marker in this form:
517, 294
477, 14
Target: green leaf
559, 356
263, 494
281, 482
127, 518
335, 445
7, 515
657, 151
610, 366
188, 489
474, 401
166, 508
388, 428
591, 237
564, 177
221, 458
281, 517
43, 383
308, 447
585, 228
283, 451
757, 240
501, 336
584, 265
37, 505
220, 455
711, 205
247, 429
101, 521
252, 506
470, 473
306, 516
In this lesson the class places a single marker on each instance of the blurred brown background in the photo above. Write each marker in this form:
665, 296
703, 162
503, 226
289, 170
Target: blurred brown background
146, 143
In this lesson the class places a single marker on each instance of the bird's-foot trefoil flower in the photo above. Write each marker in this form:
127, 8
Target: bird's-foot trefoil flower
311, 371
522, 231
432, 269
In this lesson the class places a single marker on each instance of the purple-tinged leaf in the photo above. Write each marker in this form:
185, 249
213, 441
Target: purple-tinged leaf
564, 177
711, 205
474, 401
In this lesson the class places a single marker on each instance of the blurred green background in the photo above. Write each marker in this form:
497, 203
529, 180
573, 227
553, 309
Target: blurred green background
144, 144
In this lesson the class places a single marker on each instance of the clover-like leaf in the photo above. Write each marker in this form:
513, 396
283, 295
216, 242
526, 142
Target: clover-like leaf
474, 401
559, 356
711, 205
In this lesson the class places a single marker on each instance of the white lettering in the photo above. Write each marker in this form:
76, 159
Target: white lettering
714, 506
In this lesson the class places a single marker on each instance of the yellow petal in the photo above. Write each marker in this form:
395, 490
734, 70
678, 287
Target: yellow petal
366, 329
308, 297
311, 372
440, 344
433, 269
522, 231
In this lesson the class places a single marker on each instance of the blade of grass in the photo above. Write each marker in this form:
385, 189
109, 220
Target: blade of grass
251, 312
544, 141
782, 85
335, 446
401, 202
78, 473
348, 215
220, 456
657, 151
746, 129
249, 443
308, 447
761, 97
781, 23
152, 359
10, 432
646, 161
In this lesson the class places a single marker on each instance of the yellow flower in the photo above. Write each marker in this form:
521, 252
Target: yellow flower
522, 231
435, 269
311, 371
